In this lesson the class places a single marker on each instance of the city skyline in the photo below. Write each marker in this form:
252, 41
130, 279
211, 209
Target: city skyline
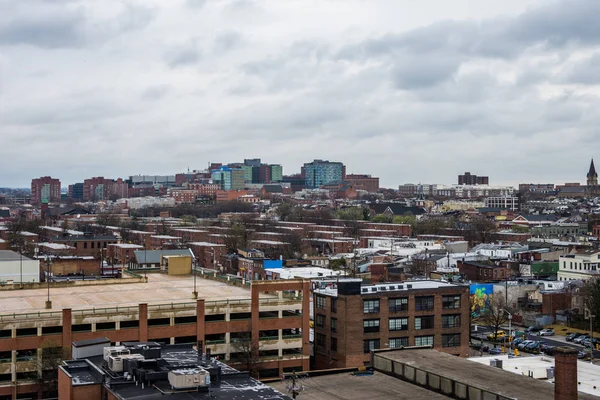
405, 92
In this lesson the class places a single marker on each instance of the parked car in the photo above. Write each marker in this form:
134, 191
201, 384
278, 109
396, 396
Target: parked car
516, 342
547, 332
580, 339
495, 351
583, 355
498, 336
573, 336
524, 343
533, 347
532, 329
549, 350
485, 349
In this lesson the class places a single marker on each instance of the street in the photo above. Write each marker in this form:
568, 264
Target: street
556, 340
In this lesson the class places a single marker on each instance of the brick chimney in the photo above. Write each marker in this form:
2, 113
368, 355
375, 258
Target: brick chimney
565, 373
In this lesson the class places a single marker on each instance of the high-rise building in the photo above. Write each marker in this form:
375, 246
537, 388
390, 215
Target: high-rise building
468, 179
229, 178
320, 172
276, 173
45, 190
352, 319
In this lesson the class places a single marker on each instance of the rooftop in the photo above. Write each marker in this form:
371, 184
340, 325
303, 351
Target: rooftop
160, 289
588, 375
9, 255
225, 382
346, 386
304, 272
474, 374
331, 290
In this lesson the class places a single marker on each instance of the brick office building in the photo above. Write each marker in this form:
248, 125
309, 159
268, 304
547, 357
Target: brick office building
364, 182
478, 272
351, 319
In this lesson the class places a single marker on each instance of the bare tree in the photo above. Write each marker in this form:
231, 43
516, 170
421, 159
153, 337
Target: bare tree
52, 356
495, 315
248, 352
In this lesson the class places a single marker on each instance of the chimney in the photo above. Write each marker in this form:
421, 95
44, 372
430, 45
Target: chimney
565, 373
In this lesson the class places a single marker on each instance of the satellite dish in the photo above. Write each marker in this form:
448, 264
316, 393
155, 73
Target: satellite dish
78, 215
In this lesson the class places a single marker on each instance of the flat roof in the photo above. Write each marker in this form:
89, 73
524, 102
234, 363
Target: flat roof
588, 375
159, 289
346, 386
485, 377
126, 245
9, 255
392, 287
56, 246
304, 272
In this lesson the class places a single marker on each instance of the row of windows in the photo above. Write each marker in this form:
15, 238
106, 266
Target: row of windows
451, 340
582, 266
422, 303
401, 324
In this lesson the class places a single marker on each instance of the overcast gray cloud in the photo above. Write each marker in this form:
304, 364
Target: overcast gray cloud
403, 90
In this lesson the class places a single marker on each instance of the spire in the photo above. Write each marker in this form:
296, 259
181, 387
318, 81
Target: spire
592, 172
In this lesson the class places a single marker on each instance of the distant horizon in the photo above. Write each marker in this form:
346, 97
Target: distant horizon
402, 90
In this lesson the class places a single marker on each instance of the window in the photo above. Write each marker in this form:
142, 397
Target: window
450, 321
371, 325
320, 340
424, 322
333, 324
398, 342
424, 303
451, 302
320, 321
333, 344
333, 305
371, 306
400, 304
320, 300
398, 324
369, 345
424, 341
451, 340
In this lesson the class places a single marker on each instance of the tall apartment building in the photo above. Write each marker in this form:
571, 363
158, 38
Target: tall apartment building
351, 319
229, 178
100, 188
319, 172
468, 179
45, 190
162, 310
364, 182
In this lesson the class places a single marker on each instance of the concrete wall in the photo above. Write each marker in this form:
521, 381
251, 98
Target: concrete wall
11, 271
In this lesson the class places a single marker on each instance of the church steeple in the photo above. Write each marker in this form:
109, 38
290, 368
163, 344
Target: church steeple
592, 173
592, 180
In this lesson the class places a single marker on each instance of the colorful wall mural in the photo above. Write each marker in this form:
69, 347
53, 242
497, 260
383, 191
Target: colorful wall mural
481, 298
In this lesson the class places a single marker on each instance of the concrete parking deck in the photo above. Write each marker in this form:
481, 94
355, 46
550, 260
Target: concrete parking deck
160, 288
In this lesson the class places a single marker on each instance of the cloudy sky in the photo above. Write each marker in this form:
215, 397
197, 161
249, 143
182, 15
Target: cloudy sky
408, 91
